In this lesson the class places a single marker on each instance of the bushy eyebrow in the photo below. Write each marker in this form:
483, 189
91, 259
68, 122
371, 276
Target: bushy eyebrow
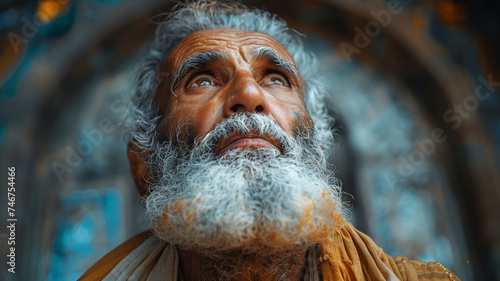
197, 61
266, 53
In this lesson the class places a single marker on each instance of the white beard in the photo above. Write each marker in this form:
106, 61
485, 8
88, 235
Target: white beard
257, 201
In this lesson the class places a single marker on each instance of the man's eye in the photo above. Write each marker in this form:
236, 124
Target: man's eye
276, 79
201, 81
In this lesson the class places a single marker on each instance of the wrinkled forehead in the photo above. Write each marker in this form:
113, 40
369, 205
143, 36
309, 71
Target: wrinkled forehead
237, 43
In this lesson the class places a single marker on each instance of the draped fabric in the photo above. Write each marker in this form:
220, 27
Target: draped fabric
348, 255
352, 255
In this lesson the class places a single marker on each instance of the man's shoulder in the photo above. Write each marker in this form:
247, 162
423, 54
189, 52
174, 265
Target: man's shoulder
104, 266
427, 270
352, 255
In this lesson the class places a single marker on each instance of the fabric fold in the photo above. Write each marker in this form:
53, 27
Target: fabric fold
348, 255
153, 260
352, 255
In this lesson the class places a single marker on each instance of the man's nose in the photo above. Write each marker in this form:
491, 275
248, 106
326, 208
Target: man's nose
245, 95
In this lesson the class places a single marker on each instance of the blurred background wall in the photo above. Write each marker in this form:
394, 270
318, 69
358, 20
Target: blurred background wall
414, 89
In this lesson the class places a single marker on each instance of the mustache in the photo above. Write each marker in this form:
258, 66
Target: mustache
247, 123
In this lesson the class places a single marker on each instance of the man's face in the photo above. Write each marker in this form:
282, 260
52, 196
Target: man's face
253, 175
217, 73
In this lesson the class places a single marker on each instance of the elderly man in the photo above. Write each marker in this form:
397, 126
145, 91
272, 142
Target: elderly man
228, 149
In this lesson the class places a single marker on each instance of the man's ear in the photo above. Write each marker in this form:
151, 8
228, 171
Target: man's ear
139, 169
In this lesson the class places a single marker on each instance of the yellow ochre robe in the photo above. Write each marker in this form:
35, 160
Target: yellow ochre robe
348, 255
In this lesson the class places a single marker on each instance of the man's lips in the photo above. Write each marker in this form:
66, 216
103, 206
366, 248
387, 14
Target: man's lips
236, 140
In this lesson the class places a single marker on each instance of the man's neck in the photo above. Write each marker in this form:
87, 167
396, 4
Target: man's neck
193, 266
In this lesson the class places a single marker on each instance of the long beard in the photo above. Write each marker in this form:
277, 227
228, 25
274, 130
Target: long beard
257, 201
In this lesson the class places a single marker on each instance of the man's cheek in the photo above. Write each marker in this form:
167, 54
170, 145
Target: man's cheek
297, 116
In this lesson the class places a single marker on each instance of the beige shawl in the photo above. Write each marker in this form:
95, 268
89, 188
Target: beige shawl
348, 255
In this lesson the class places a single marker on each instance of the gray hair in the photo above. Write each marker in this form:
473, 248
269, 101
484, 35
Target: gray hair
143, 116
